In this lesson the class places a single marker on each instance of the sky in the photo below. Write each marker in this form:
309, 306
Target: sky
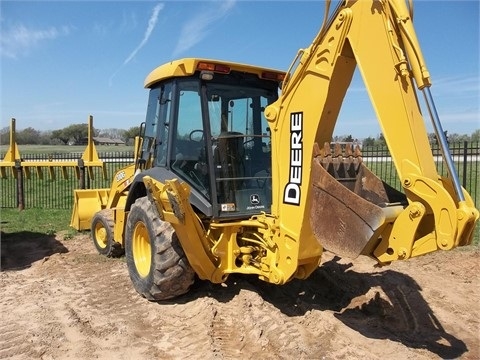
61, 61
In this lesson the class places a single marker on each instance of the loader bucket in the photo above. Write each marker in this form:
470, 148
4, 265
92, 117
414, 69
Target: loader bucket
349, 205
86, 204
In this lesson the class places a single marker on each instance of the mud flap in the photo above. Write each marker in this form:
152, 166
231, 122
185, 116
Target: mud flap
346, 215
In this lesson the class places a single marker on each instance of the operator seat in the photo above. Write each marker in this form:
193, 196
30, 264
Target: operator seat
229, 164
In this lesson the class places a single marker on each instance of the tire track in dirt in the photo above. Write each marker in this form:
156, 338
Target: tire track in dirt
114, 308
12, 342
105, 309
79, 304
226, 341
101, 305
76, 328
246, 322
19, 335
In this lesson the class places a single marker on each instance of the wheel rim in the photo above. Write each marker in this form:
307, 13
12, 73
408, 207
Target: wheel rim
101, 235
141, 249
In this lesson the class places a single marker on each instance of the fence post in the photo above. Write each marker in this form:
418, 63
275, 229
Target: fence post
20, 188
81, 167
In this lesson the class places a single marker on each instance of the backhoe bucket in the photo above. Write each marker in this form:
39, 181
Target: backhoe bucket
349, 205
86, 204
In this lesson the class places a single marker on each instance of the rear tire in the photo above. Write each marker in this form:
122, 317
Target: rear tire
156, 262
102, 234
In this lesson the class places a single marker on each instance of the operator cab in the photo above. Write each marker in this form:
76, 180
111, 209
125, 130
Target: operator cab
208, 129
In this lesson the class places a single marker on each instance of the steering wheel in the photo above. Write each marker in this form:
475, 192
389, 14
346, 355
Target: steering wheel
196, 135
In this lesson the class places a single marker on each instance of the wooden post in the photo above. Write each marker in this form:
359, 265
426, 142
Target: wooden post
20, 188
81, 167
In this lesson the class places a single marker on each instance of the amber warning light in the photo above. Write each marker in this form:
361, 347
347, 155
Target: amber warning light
273, 76
213, 67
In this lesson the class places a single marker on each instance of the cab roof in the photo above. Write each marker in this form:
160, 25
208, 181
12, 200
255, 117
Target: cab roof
188, 66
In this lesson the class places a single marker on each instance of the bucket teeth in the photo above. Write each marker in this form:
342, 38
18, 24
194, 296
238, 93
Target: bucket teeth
348, 150
337, 150
342, 162
326, 150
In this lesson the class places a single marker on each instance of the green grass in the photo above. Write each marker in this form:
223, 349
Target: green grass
49, 222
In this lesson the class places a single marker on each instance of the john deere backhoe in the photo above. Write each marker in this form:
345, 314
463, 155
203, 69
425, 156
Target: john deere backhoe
234, 176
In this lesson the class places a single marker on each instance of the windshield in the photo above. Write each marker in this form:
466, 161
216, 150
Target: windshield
241, 147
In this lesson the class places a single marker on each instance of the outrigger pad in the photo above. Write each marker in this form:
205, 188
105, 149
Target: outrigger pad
346, 214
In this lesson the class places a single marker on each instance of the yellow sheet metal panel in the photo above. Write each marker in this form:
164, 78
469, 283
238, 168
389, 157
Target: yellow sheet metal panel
86, 204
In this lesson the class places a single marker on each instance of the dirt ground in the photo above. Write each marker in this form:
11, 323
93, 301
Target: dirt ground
61, 300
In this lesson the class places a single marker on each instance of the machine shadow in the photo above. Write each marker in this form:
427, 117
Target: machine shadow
220, 292
20, 250
379, 305
382, 305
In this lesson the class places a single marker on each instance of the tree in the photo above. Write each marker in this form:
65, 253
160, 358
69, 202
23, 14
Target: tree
380, 140
5, 136
458, 138
59, 134
369, 141
73, 133
46, 138
343, 138
28, 136
131, 133
348, 138
112, 133
475, 135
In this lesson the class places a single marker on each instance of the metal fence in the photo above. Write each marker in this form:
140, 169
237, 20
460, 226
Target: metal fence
466, 157
57, 192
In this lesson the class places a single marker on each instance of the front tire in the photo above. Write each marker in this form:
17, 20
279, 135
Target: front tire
102, 234
156, 262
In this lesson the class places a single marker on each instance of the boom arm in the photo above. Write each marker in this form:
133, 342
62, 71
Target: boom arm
379, 37
320, 200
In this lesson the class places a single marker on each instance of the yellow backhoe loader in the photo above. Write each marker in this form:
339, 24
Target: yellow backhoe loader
233, 175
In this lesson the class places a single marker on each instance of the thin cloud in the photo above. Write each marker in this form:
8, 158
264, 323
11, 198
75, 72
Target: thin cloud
19, 40
467, 84
152, 22
151, 25
197, 28
129, 21
101, 29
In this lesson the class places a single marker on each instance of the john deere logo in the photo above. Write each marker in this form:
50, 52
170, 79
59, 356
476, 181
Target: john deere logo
292, 191
254, 199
